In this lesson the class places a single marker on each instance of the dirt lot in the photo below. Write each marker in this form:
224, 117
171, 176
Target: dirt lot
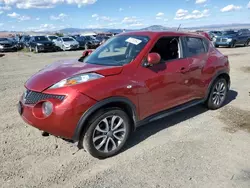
194, 148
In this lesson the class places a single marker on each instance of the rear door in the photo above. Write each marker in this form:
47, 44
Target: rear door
196, 50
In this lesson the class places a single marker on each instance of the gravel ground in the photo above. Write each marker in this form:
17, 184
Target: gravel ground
194, 148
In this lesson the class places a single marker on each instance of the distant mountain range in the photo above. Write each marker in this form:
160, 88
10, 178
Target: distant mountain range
150, 28
160, 28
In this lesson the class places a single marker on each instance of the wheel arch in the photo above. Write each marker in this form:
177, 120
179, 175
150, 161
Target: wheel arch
219, 74
120, 102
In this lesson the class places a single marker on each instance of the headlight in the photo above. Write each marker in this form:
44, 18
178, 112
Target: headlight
229, 40
39, 44
81, 78
47, 108
1, 47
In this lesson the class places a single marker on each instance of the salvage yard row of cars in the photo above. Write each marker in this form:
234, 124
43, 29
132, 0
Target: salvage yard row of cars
228, 38
51, 43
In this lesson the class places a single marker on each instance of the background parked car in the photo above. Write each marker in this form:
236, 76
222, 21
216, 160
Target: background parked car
7, 45
41, 44
232, 39
81, 40
67, 43
24, 41
52, 38
91, 42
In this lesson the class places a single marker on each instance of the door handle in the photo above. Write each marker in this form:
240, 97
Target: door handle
183, 70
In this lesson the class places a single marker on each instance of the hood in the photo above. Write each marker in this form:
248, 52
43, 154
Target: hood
64, 69
6, 42
227, 36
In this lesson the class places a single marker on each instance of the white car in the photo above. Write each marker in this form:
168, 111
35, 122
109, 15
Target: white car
67, 43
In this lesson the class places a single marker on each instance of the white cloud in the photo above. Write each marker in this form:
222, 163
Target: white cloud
13, 15
94, 15
160, 14
37, 19
121, 9
1, 12
24, 18
26, 4
128, 20
61, 17
19, 17
182, 14
230, 8
136, 25
1, 24
43, 27
5, 7
200, 1
248, 5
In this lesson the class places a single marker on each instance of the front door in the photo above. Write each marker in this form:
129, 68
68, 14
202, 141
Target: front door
164, 85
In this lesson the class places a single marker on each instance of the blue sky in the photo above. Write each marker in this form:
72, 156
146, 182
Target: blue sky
42, 15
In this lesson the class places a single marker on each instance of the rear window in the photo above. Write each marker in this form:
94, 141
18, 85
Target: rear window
195, 46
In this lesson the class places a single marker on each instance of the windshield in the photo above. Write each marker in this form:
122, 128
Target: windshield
67, 39
228, 32
40, 38
118, 51
3, 39
52, 37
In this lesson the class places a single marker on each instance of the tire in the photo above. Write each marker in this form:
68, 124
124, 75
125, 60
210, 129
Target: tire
216, 46
233, 44
36, 49
247, 43
99, 140
218, 94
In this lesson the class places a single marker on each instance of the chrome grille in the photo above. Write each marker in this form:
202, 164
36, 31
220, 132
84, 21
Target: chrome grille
32, 97
223, 40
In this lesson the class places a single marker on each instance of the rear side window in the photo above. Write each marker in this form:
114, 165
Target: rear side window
195, 46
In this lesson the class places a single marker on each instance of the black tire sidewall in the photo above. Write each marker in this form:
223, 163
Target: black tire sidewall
87, 139
210, 103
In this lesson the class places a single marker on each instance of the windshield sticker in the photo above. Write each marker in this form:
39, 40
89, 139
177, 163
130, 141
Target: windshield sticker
133, 41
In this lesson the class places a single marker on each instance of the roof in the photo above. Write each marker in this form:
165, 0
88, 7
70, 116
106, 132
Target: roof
152, 34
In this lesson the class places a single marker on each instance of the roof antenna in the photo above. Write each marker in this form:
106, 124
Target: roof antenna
178, 27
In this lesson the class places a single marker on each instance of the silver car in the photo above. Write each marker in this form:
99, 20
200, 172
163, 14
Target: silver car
66, 43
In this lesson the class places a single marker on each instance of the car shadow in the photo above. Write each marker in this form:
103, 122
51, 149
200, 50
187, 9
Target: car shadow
147, 130
1, 55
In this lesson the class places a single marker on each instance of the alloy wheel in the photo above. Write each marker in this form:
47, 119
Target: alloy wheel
109, 134
219, 93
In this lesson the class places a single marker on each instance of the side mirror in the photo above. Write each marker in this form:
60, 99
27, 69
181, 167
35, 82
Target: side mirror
153, 58
85, 54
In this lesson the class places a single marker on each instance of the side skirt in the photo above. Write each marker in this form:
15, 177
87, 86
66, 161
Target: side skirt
170, 112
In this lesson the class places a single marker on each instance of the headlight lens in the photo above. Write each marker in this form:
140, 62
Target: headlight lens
47, 108
1, 47
229, 40
39, 44
81, 78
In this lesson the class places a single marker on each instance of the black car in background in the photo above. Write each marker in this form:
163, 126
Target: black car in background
7, 45
41, 44
91, 42
24, 42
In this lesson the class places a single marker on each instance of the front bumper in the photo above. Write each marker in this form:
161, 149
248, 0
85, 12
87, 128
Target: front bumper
6, 49
46, 48
223, 43
72, 47
65, 116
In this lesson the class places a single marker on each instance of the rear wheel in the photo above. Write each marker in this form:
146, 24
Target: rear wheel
217, 94
107, 133
233, 44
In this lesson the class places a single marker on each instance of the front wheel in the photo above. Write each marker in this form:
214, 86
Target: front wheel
107, 133
233, 44
217, 94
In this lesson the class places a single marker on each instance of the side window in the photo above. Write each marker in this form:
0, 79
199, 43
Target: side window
195, 46
168, 48
206, 44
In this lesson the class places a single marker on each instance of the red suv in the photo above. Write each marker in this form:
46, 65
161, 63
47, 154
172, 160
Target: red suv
132, 79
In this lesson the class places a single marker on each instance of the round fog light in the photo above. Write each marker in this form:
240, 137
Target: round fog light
47, 108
